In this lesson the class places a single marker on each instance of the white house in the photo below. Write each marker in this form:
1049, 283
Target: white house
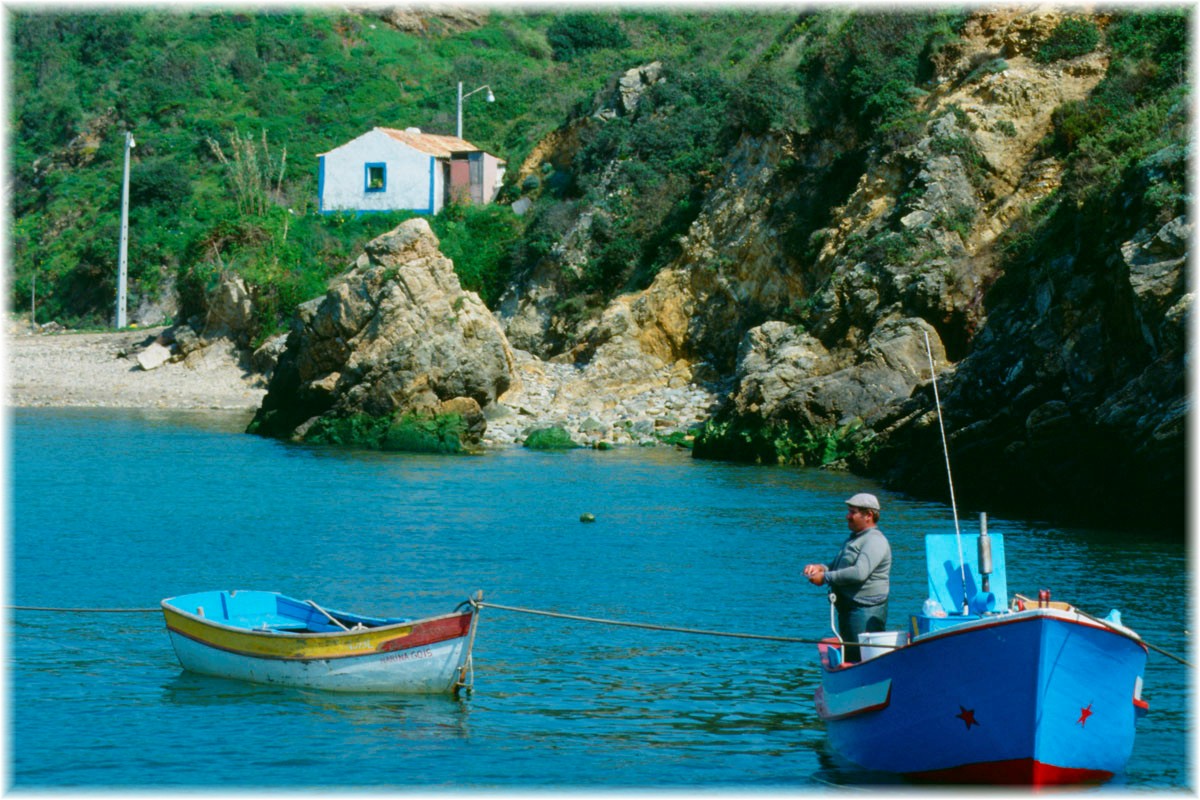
387, 169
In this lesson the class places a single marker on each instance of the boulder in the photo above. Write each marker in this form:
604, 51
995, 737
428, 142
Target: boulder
230, 311
154, 356
394, 336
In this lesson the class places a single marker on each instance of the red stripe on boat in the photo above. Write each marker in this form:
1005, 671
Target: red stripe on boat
1015, 772
438, 630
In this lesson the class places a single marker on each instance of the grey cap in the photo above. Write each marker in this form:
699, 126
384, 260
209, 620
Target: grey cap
864, 500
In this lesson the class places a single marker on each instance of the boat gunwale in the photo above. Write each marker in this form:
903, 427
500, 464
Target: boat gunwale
1072, 617
305, 635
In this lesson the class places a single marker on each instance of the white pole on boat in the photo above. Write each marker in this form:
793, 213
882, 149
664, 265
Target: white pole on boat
949, 476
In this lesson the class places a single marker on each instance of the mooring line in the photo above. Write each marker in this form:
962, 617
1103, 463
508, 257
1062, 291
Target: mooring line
87, 610
654, 627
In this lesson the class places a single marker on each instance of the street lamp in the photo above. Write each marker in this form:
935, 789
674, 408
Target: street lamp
122, 259
491, 98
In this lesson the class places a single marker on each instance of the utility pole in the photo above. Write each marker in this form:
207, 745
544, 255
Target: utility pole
123, 257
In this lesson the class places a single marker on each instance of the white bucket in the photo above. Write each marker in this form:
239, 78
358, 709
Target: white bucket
881, 637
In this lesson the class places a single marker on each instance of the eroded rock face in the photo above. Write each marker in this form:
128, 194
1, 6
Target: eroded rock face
396, 335
1063, 382
1074, 399
425, 20
787, 373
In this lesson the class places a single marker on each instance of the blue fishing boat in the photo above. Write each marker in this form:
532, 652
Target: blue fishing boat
984, 689
998, 691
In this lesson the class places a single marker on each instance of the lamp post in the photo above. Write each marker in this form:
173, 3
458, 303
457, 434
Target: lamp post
491, 98
122, 258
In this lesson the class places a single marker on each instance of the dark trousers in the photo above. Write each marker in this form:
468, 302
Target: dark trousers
855, 619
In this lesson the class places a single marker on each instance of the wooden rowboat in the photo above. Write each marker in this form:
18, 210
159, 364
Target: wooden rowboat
267, 637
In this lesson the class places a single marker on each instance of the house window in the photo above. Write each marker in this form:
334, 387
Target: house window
376, 177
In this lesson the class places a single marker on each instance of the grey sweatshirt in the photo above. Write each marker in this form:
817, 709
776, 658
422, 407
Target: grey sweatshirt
860, 571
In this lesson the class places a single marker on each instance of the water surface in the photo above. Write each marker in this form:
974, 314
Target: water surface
115, 509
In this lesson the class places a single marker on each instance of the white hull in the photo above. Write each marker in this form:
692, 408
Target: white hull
426, 669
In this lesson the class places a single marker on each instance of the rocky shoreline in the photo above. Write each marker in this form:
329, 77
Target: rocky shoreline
100, 370
571, 397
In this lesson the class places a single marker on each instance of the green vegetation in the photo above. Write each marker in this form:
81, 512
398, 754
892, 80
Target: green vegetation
230, 110
439, 433
870, 67
479, 240
1124, 146
682, 439
754, 440
1073, 37
552, 438
410, 432
575, 34
360, 430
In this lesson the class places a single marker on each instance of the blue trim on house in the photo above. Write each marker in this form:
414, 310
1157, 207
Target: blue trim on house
432, 181
382, 167
321, 184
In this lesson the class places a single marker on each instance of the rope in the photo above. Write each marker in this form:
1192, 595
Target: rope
87, 610
672, 628
622, 623
328, 616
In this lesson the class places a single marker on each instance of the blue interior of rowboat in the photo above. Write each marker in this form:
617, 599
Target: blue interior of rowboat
271, 611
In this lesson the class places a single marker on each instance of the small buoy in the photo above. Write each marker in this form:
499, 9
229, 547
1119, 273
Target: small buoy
587, 517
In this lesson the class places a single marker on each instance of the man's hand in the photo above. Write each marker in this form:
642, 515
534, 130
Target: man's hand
815, 574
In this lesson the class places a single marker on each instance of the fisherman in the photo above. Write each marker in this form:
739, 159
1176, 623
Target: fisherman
858, 576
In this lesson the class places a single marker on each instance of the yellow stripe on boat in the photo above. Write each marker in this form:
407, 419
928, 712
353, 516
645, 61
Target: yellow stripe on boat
283, 645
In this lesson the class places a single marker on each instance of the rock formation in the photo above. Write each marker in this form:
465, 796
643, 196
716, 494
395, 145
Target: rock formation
803, 294
395, 340
1041, 370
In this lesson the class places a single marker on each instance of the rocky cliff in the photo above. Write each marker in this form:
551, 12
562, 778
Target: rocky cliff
827, 275
1063, 380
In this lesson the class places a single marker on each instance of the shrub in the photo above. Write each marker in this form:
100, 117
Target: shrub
480, 241
1073, 37
766, 101
575, 34
359, 430
414, 433
867, 70
552, 438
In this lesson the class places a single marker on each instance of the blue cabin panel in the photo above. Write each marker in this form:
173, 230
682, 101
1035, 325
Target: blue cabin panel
946, 573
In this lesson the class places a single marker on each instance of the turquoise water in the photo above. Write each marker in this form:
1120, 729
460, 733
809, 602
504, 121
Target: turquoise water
122, 509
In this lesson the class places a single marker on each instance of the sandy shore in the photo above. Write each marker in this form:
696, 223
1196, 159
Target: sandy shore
100, 370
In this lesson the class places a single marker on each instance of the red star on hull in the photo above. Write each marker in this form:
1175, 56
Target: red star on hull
967, 716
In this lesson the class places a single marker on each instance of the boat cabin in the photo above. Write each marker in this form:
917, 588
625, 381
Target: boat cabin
953, 587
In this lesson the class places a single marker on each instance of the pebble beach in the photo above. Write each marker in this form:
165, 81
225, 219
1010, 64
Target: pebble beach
100, 370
